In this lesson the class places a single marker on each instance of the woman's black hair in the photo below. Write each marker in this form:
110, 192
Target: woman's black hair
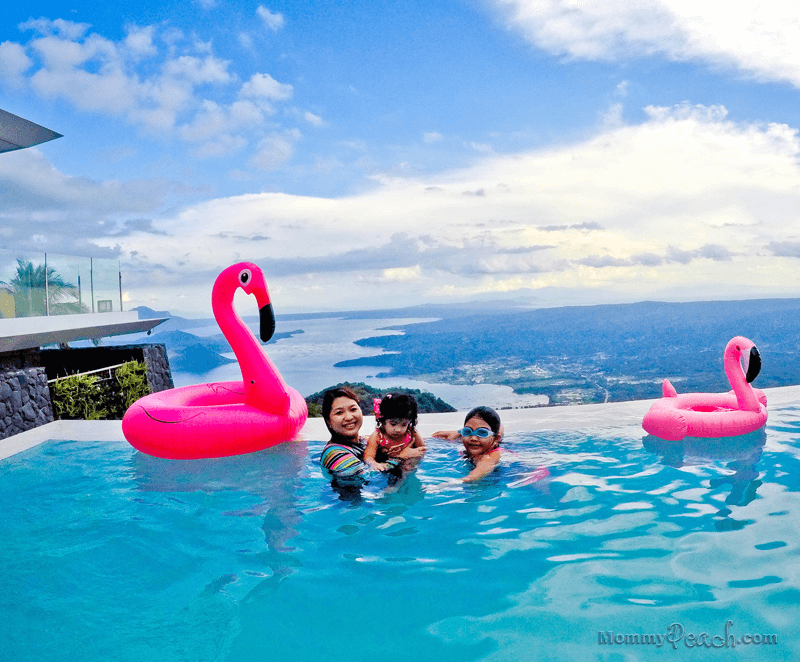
330, 396
485, 414
398, 405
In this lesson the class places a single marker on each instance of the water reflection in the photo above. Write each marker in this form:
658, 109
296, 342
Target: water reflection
741, 455
273, 476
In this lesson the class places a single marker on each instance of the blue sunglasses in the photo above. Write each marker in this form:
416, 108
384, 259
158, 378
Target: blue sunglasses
480, 432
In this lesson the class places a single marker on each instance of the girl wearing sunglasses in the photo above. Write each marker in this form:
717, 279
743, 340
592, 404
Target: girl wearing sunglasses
481, 436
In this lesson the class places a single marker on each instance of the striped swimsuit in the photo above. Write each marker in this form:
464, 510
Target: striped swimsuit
344, 461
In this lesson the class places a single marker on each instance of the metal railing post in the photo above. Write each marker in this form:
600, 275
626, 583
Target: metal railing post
46, 289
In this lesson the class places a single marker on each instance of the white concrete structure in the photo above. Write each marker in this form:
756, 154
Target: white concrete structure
27, 332
18, 133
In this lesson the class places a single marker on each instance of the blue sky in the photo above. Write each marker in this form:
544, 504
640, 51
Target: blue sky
378, 154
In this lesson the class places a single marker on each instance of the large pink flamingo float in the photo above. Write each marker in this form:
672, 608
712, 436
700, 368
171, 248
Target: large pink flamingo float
742, 410
223, 418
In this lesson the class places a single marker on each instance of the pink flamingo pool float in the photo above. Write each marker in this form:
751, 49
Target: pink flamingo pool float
742, 410
223, 418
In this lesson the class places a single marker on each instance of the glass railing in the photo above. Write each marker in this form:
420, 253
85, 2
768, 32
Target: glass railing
39, 284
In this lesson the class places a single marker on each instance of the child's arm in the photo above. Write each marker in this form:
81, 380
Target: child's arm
483, 466
369, 453
415, 449
452, 435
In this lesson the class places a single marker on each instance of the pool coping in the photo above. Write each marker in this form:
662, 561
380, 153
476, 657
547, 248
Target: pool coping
571, 417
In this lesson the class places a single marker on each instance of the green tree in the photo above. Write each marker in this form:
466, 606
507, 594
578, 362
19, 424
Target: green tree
32, 283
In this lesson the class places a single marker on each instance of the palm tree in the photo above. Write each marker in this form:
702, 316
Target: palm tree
31, 282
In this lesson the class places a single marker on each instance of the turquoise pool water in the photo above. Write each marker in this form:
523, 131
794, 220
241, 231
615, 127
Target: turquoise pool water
108, 554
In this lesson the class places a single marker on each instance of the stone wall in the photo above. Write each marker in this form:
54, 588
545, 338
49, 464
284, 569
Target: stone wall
159, 375
24, 400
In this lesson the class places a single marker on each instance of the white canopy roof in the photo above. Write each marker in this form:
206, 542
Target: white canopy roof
18, 133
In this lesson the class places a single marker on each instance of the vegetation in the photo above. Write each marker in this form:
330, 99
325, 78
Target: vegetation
132, 382
34, 287
427, 403
79, 397
89, 397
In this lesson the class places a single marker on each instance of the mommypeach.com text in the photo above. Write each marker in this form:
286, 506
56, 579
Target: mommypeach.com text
676, 635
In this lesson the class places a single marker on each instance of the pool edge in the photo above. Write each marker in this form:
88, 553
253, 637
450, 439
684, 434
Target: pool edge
572, 417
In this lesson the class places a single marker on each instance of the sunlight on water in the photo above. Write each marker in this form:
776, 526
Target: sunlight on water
109, 554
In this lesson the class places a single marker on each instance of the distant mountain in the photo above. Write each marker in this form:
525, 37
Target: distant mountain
596, 353
174, 322
186, 351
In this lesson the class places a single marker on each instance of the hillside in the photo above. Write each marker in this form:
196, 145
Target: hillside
427, 403
597, 353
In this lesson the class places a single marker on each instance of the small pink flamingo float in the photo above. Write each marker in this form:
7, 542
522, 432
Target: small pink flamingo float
740, 411
224, 418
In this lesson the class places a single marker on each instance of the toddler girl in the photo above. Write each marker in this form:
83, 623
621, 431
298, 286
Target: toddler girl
396, 435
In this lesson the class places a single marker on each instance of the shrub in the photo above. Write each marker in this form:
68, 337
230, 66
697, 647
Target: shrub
87, 397
132, 381
79, 397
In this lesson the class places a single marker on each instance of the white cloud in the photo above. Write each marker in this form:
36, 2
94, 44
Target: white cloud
198, 70
246, 41
432, 137
67, 214
274, 21
275, 150
13, 63
760, 38
139, 41
313, 119
266, 87
67, 29
687, 197
481, 147
156, 89
223, 144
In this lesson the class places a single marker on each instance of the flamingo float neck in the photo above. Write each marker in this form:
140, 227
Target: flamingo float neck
738, 349
263, 385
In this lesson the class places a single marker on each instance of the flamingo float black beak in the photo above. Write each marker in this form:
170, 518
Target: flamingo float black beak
752, 365
266, 322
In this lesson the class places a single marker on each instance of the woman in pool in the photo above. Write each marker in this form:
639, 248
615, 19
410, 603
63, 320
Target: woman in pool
481, 436
343, 456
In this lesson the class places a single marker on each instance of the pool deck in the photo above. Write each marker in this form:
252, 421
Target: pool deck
612, 414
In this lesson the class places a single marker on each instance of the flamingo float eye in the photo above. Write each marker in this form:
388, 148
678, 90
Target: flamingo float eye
245, 276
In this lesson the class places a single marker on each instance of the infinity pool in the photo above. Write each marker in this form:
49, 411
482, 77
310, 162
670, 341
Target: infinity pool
632, 549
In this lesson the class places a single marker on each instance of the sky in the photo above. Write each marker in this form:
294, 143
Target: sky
376, 154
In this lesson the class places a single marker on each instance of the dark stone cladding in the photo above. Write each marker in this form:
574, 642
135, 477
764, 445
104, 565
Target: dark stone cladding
25, 401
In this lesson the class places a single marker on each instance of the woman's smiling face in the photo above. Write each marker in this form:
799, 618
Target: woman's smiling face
476, 446
346, 417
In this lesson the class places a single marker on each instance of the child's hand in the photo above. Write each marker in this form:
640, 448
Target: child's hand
378, 466
452, 435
